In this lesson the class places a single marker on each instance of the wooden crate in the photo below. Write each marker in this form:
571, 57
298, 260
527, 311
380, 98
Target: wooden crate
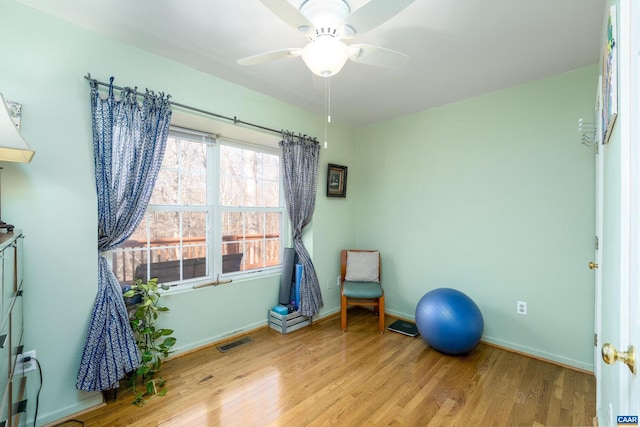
285, 323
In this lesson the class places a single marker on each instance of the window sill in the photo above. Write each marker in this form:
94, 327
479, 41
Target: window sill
235, 278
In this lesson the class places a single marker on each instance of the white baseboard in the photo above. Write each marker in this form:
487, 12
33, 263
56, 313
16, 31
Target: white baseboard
93, 401
551, 357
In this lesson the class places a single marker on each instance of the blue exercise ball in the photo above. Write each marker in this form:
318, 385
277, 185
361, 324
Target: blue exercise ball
449, 321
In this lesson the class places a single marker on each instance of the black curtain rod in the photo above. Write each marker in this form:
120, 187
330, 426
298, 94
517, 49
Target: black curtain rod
233, 119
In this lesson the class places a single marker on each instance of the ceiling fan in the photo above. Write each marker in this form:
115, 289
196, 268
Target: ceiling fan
326, 23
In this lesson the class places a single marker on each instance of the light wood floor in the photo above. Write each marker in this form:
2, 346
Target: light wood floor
320, 376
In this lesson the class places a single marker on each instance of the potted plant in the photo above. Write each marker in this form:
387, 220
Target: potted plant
154, 343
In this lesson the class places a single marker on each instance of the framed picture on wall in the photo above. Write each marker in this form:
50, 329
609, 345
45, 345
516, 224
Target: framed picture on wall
610, 77
336, 181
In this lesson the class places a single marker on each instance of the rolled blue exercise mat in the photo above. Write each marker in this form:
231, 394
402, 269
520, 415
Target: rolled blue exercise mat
280, 309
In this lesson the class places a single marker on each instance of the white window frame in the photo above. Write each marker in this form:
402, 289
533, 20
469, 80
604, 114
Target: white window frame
219, 209
215, 210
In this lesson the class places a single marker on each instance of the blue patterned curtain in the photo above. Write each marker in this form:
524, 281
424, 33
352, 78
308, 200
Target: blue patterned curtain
128, 141
300, 157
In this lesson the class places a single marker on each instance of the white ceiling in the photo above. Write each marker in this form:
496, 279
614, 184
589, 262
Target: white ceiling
458, 48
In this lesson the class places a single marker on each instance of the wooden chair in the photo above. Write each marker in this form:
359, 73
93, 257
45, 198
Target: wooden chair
360, 283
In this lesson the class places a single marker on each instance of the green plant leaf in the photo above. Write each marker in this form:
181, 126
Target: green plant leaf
138, 400
163, 392
170, 341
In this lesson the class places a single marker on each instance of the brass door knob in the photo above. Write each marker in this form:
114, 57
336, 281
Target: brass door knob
610, 356
592, 265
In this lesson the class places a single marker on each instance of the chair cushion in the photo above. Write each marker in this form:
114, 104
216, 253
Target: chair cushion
363, 266
362, 290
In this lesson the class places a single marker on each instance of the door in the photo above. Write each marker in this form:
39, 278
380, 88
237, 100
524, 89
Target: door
634, 134
618, 386
595, 265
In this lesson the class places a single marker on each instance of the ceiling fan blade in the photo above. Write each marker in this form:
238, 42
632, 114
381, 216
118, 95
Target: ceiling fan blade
376, 55
289, 14
372, 14
270, 56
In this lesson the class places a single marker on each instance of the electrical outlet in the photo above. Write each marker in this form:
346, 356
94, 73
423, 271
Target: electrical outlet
521, 308
23, 367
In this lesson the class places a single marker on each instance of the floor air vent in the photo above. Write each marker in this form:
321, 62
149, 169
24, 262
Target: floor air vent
234, 344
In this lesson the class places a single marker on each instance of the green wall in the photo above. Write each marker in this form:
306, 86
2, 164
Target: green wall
43, 62
493, 196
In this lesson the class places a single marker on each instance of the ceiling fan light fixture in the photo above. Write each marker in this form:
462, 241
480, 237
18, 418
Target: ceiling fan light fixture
325, 56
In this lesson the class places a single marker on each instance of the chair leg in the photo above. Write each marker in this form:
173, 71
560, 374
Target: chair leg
343, 314
381, 314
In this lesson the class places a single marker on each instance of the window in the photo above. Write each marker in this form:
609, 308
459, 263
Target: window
250, 208
216, 208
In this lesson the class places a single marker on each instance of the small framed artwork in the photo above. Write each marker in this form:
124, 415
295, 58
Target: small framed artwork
336, 181
610, 77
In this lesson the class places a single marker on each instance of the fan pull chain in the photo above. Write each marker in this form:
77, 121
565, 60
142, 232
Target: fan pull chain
327, 107
329, 100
